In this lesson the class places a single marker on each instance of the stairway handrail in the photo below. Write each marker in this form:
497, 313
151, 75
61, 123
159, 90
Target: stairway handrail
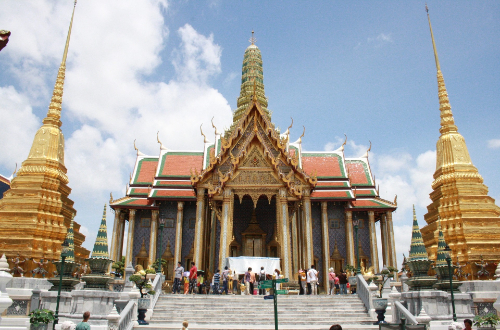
127, 317
363, 292
401, 309
157, 285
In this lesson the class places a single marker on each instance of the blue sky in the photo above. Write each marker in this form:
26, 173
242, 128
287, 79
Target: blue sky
365, 69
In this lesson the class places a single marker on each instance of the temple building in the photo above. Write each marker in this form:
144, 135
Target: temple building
36, 211
252, 192
469, 217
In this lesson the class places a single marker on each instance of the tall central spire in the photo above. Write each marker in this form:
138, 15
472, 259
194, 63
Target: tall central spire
252, 81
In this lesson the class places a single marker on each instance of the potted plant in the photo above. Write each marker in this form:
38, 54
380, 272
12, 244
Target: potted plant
163, 264
150, 273
488, 321
145, 288
119, 267
40, 319
380, 304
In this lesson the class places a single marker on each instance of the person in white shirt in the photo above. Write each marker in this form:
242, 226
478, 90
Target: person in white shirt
312, 276
179, 270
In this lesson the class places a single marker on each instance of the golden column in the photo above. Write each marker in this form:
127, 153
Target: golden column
226, 227
326, 243
285, 234
383, 238
116, 231
349, 242
373, 242
390, 239
178, 233
121, 235
211, 253
295, 245
308, 239
198, 230
130, 237
153, 236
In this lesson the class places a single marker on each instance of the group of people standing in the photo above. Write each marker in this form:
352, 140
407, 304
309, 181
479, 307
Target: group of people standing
308, 279
337, 282
250, 279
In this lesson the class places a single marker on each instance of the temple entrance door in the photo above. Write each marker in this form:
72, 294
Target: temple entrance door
253, 246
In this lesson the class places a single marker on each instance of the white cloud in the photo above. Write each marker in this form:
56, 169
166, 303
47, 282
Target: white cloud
351, 149
19, 125
381, 38
494, 143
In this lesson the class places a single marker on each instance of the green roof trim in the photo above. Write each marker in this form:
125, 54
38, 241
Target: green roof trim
101, 243
139, 166
133, 193
207, 162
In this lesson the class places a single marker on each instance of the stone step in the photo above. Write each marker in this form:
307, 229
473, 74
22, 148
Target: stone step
194, 326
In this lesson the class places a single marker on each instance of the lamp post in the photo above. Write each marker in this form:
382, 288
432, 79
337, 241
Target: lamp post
162, 225
356, 224
450, 273
64, 254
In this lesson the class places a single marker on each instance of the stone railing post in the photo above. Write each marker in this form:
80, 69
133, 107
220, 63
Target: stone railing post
113, 319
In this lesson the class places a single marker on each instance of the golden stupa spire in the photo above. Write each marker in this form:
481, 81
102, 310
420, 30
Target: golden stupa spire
37, 210
447, 121
54, 113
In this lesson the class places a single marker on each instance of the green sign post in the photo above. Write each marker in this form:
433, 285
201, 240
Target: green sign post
271, 284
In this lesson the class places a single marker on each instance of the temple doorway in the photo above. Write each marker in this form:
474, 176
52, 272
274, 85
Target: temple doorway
253, 227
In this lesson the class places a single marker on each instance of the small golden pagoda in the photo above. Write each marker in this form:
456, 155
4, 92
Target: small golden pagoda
36, 212
469, 217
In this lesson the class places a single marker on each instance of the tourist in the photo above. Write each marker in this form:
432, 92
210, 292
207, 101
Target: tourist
262, 277
468, 324
336, 327
313, 275
185, 280
201, 282
252, 283
179, 270
277, 276
331, 281
193, 276
216, 280
231, 281
84, 325
247, 278
303, 278
308, 280
225, 278
337, 285
185, 325
343, 282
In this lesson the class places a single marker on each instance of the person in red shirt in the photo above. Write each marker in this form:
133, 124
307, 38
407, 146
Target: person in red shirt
193, 276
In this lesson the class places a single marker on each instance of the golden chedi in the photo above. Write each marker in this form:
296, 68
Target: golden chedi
469, 217
36, 212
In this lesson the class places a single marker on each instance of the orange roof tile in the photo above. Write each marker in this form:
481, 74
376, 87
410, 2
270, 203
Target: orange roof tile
326, 165
145, 172
358, 172
180, 163
323, 184
328, 194
139, 191
370, 203
174, 193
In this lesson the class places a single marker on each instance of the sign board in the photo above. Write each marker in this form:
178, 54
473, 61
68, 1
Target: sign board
282, 280
265, 286
268, 297
267, 282
281, 291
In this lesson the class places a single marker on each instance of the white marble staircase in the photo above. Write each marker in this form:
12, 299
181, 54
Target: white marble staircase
253, 312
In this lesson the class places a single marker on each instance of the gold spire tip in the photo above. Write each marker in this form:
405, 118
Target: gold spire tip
252, 39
